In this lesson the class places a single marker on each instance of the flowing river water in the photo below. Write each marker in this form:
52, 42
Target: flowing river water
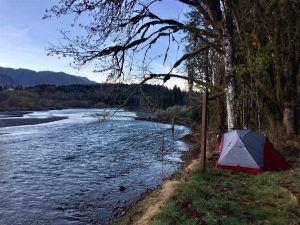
70, 171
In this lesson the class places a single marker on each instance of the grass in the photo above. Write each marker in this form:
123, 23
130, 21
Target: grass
230, 197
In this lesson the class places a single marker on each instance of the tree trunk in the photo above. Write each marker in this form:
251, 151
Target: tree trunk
289, 119
290, 91
230, 80
287, 35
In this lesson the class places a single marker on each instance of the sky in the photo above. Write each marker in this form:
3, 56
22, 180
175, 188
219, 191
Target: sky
25, 36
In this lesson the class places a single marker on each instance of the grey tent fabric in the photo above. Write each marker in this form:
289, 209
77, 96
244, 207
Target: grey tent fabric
242, 148
255, 145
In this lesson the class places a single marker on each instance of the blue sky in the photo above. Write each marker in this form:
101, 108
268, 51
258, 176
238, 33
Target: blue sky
24, 37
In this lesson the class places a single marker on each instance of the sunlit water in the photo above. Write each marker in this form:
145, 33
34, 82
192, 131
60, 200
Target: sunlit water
70, 171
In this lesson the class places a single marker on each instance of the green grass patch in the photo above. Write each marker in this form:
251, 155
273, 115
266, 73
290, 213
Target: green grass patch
230, 197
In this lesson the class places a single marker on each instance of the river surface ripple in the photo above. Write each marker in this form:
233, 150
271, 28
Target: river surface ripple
70, 171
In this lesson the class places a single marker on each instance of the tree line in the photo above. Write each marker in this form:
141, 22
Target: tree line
98, 95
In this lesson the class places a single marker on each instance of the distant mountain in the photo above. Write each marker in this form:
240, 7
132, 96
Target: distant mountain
7, 81
27, 78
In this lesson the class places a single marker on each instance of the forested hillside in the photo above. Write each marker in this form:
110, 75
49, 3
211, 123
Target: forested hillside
98, 95
10, 77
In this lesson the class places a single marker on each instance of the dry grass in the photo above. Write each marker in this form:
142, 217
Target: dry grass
168, 190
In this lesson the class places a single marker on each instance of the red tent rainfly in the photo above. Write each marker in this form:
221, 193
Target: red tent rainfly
249, 151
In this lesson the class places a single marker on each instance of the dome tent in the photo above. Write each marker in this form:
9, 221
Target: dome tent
249, 151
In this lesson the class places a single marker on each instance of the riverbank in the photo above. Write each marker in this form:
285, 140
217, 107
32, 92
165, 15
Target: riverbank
141, 211
148, 205
15, 118
22, 122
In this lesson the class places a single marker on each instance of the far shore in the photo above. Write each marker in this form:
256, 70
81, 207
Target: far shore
12, 118
21, 122
13, 113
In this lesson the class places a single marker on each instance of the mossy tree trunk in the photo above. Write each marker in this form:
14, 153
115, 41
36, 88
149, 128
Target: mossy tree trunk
230, 79
289, 96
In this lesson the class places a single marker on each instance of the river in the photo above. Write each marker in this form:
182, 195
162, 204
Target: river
70, 171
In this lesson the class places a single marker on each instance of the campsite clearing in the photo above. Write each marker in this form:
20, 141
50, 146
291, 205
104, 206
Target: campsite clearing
222, 196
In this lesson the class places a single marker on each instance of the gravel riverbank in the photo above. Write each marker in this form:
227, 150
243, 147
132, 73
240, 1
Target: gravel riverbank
15, 118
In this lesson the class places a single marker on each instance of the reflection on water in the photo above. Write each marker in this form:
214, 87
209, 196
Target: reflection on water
70, 171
